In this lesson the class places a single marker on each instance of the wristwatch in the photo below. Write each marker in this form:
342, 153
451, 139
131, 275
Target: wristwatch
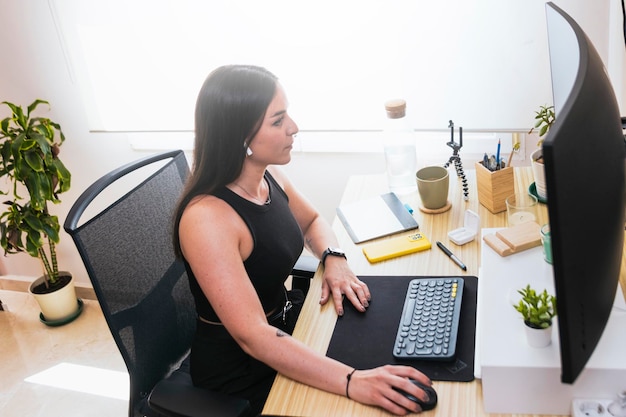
332, 252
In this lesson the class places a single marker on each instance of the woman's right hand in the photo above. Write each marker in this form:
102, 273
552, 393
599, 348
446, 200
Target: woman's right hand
376, 387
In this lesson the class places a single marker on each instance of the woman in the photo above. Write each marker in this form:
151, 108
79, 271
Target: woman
239, 228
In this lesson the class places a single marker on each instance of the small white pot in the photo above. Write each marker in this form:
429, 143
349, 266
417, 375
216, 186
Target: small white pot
539, 174
538, 338
59, 305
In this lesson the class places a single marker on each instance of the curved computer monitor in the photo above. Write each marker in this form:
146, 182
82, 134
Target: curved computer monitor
584, 161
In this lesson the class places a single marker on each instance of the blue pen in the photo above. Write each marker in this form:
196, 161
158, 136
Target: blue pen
498, 156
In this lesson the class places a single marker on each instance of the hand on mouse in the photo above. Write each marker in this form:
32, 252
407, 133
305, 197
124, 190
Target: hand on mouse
381, 387
430, 403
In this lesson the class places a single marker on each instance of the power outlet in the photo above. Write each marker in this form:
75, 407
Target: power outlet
600, 408
590, 408
618, 408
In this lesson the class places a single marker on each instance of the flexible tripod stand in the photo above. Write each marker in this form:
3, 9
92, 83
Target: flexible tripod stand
456, 158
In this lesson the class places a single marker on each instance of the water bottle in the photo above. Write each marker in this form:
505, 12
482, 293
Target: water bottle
399, 145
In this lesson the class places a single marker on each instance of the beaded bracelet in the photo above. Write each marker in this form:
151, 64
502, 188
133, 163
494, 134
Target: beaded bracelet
349, 377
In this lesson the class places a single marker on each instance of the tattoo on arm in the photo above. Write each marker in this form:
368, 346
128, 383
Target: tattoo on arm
280, 333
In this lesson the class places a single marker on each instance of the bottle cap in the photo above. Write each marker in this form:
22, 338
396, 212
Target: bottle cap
395, 108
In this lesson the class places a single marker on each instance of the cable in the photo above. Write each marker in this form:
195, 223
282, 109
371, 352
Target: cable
624, 21
624, 28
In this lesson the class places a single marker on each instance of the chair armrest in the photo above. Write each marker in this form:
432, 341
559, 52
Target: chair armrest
303, 271
305, 267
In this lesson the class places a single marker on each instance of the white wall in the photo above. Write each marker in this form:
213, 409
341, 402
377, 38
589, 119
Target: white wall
617, 53
33, 65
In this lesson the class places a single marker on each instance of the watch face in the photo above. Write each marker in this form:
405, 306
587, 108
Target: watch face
332, 252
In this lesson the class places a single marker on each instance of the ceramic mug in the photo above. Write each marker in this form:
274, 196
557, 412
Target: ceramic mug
432, 185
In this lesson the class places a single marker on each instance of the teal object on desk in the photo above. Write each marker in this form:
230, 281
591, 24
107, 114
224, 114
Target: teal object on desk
532, 190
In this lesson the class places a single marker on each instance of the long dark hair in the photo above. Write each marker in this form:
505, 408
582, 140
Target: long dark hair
229, 110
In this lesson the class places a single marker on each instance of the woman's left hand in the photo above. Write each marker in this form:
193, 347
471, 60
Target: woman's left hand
340, 281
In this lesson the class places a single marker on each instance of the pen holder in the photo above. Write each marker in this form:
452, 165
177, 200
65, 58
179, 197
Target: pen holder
494, 187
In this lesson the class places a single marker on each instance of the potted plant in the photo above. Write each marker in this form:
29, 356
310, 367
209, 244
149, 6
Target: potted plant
537, 310
544, 118
29, 148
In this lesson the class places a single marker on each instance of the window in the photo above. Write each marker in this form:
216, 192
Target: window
482, 63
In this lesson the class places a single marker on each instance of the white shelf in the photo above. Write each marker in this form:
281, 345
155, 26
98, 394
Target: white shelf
517, 378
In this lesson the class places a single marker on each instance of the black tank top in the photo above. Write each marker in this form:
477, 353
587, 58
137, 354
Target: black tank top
278, 243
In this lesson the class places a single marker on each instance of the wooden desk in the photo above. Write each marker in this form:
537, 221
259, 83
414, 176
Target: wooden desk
316, 324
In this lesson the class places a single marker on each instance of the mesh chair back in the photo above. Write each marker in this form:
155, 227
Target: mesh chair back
142, 289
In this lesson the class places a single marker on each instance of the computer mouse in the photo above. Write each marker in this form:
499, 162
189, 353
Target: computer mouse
430, 391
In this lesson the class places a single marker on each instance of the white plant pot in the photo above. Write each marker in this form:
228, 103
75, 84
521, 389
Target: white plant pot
539, 174
58, 307
538, 338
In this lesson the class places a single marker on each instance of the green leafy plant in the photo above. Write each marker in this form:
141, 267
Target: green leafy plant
538, 309
544, 118
29, 147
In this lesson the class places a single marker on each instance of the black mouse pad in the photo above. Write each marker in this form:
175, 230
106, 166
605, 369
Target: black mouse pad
365, 340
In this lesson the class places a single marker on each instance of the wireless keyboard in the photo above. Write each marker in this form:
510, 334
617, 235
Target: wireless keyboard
430, 319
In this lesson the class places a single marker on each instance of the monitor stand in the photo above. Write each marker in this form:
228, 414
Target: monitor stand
520, 379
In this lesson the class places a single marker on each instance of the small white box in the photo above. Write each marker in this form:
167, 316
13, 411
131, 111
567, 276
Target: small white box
467, 233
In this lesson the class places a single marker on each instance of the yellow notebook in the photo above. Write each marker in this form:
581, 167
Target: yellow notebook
396, 246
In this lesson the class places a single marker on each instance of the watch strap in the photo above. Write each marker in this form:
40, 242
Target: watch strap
332, 252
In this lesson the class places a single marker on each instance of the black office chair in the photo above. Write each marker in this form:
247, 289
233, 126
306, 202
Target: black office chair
143, 289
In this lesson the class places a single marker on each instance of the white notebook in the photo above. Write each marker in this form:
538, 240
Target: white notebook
376, 217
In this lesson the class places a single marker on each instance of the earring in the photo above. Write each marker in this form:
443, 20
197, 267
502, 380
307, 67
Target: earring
247, 148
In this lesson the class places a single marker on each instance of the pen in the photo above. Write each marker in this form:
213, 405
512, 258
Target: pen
492, 163
498, 156
452, 256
